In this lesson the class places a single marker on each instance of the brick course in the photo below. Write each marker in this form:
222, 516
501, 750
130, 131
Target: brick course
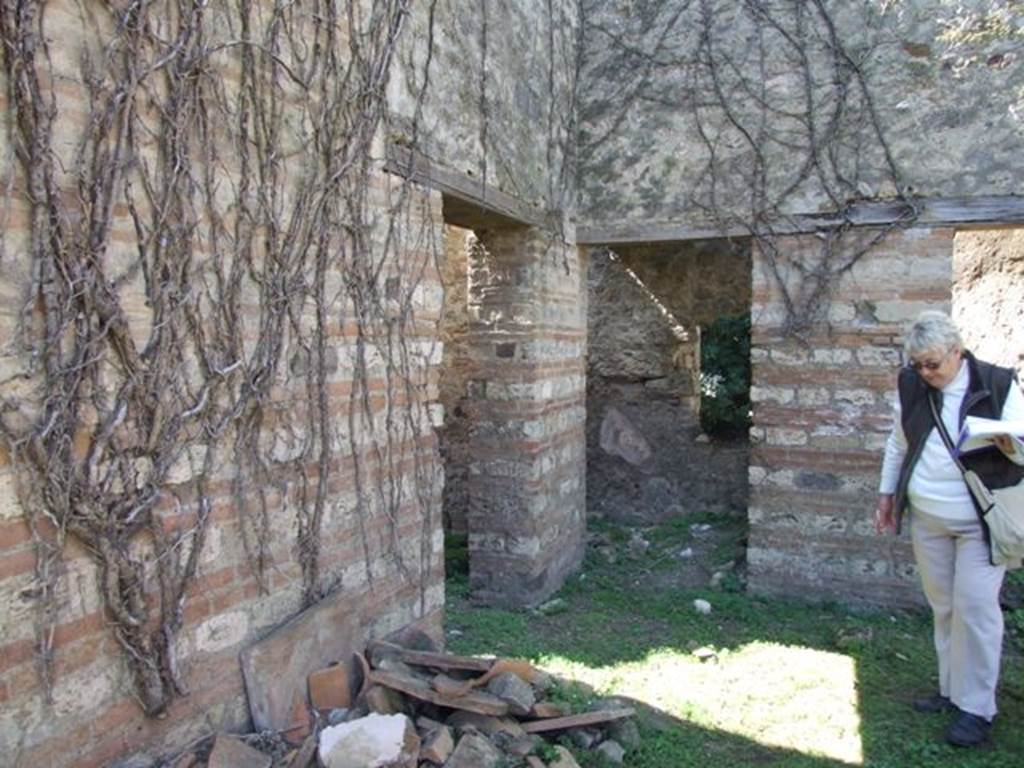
821, 411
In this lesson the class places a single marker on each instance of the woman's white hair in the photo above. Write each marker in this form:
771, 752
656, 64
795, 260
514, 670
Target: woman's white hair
932, 331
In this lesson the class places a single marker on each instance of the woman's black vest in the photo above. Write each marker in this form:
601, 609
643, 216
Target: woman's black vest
986, 392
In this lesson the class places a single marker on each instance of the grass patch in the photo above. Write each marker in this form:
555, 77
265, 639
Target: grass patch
788, 684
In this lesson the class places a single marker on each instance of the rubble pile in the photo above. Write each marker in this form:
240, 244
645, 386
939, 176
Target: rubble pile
396, 707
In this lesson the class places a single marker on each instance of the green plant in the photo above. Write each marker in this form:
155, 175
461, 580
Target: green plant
725, 375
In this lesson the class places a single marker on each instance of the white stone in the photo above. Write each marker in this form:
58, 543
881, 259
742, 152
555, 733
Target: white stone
832, 356
781, 395
374, 741
702, 606
856, 396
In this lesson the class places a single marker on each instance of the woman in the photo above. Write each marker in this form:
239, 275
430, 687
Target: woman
949, 537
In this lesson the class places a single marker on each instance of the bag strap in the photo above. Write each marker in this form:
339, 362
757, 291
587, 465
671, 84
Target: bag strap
945, 435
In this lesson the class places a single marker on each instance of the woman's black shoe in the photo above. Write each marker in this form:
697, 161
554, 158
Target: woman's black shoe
936, 703
968, 730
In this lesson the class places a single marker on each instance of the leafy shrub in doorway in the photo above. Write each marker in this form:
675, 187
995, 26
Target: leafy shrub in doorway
725, 375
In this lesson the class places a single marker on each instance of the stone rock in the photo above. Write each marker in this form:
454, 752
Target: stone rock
383, 701
521, 746
551, 607
475, 751
702, 438
625, 731
638, 545
465, 722
339, 715
585, 738
437, 746
514, 691
374, 741
620, 438
229, 752
564, 759
612, 751
702, 606
705, 654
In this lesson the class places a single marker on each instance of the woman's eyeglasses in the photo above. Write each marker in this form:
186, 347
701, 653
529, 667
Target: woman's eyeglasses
929, 365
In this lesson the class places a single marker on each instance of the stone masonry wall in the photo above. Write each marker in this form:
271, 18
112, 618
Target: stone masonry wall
988, 293
397, 580
651, 126
646, 306
527, 341
822, 412
381, 566
456, 369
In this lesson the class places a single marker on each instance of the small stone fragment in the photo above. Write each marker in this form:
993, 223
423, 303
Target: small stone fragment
384, 701
625, 732
521, 746
465, 722
584, 738
438, 746
702, 606
705, 654
612, 750
475, 751
564, 759
514, 691
229, 752
552, 607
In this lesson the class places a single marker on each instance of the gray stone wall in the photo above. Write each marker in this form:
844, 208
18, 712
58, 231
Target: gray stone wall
500, 102
646, 460
674, 124
988, 293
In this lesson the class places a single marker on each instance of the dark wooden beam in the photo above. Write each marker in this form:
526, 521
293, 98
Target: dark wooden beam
934, 212
467, 201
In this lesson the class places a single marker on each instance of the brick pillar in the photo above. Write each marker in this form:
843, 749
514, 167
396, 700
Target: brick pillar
822, 412
527, 336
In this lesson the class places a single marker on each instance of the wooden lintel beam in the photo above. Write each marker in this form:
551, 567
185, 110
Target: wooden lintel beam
934, 212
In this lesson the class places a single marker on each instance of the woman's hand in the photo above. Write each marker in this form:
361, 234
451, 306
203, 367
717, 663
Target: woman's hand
885, 520
1005, 444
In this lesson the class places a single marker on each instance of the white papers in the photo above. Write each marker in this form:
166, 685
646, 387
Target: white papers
979, 433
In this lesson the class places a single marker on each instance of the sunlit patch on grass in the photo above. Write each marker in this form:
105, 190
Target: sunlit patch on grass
800, 699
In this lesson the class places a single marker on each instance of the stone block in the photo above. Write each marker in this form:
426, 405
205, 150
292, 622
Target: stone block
564, 759
374, 741
475, 751
229, 752
437, 746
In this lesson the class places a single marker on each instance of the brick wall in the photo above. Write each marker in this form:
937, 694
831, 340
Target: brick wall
389, 574
822, 411
456, 370
527, 340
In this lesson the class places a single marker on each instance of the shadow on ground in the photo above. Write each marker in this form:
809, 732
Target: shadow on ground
783, 683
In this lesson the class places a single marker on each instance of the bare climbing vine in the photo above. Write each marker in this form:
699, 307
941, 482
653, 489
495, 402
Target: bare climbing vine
782, 108
207, 243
